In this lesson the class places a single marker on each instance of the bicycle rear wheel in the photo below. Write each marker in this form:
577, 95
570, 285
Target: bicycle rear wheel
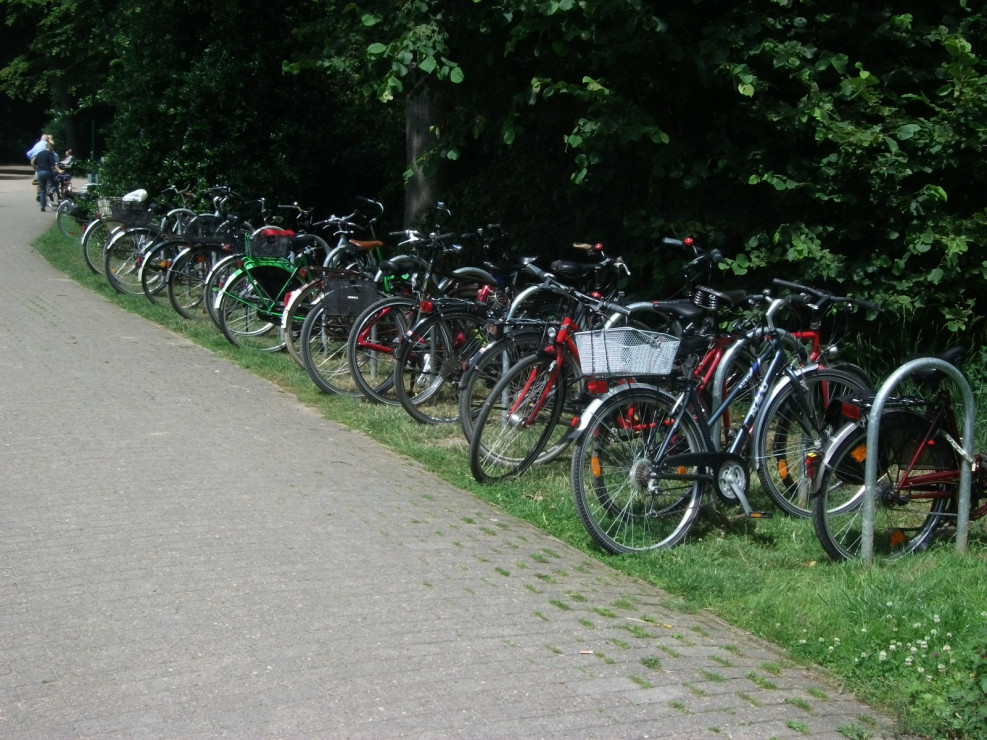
631, 493
296, 310
784, 434
323, 342
905, 517
187, 280
156, 266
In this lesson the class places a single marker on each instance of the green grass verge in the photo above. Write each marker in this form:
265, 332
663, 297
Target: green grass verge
909, 637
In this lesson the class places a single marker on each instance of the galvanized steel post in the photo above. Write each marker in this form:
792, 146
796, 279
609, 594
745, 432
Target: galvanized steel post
873, 429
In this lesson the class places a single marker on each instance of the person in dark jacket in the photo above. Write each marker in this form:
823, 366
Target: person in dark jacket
46, 162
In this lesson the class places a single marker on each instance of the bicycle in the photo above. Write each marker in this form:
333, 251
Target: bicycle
646, 453
376, 333
518, 421
918, 471
75, 212
352, 260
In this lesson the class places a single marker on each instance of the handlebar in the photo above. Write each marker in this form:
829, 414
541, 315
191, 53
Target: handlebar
818, 299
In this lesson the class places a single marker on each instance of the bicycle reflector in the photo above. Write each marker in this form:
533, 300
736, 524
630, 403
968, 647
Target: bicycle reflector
597, 386
426, 306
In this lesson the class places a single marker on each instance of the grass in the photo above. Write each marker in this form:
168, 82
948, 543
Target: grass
908, 636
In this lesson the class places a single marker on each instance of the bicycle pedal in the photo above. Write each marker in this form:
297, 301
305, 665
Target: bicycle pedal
761, 515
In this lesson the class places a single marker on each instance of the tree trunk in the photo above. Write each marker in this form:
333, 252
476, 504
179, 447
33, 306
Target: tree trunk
421, 113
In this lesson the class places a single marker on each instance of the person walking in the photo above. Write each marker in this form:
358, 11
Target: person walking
46, 162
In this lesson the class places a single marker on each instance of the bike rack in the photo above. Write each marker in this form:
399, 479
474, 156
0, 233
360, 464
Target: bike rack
873, 429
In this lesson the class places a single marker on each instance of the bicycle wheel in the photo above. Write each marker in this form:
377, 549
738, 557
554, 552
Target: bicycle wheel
371, 344
69, 220
123, 257
905, 518
515, 422
249, 314
296, 310
784, 434
186, 284
487, 367
630, 492
94, 241
215, 280
324, 336
430, 361
156, 265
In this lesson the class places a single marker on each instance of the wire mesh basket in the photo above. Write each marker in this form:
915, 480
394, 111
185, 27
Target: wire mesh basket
270, 243
128, 213
625, 352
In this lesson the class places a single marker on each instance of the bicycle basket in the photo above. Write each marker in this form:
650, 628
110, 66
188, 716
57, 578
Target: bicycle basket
348, 296
127, 213
270, 243
625, 351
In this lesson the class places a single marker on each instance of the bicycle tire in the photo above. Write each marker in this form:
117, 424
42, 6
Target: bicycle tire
904, 522
68, 221
296, 310
371, 344
324, 337
517, 418
783, 436
430, 361
629, 501
487, 367
123, 257
221, 271
186, 284
94, 241
249, 313
156, 267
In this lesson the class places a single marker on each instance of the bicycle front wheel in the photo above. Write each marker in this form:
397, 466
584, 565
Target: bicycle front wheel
249, 317
487, 367
68, 220
123, 257
430, 361
791, 425
518, 417
916, 481
631, 493
94, 241
371, 344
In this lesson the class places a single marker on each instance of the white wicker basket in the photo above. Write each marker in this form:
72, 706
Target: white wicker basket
625, 351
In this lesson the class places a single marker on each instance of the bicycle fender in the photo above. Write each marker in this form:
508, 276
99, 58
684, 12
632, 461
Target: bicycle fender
477, 274
229, 278
587, 414
835, 443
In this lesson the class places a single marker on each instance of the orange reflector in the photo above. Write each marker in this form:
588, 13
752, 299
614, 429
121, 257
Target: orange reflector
681, 470
897, 538
594, 465
859, 453
783, 468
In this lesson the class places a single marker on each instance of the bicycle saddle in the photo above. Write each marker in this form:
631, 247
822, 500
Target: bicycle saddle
932, 376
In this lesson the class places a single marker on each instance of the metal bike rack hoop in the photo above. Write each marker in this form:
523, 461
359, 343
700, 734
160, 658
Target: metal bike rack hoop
873, 429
